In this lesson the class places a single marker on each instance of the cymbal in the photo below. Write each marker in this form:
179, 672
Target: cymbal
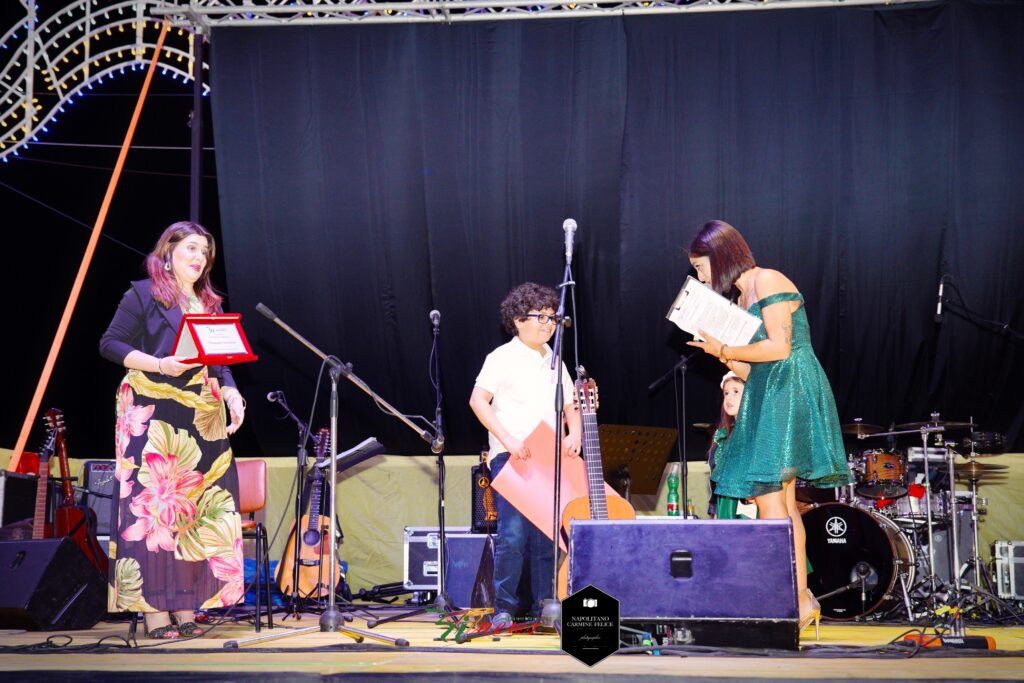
946, 424
860, 429
976, 470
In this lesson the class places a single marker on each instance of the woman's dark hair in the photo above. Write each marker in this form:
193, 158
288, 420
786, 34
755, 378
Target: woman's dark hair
521, 300
727, 252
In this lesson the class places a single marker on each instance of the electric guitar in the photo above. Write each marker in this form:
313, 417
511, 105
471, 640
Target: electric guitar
40, 529
596, 505
73, 520
314, 561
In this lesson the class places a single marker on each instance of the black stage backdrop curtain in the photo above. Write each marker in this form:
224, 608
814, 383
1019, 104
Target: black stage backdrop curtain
370, 174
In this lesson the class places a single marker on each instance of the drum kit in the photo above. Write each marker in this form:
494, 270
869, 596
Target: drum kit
894, 539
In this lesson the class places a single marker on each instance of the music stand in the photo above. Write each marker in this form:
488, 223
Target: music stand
636, 455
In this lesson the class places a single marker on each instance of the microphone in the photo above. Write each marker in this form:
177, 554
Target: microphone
938, 308
276, 397
263, 310
437, 445
435, 317
569, 226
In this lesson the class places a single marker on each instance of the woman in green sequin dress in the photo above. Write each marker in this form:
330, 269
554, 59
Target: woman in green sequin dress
788, 426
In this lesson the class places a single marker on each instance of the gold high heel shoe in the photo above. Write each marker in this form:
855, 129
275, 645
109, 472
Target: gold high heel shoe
814, 615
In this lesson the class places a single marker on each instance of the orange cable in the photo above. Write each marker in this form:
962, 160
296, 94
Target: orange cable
76, 288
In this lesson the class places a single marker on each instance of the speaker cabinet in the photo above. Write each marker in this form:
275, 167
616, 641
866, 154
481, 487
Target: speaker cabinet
49, 585
726, 582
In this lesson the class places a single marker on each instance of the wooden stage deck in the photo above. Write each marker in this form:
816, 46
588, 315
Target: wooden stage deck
845, 652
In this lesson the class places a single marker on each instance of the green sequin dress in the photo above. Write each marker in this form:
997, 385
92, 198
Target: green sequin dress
787, 425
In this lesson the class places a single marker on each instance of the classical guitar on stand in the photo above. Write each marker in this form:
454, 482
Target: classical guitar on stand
312, 581
71, 519
596, 505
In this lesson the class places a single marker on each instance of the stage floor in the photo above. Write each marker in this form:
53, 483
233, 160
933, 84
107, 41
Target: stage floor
845, 651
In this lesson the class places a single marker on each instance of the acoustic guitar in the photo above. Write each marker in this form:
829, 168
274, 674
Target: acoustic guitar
596, 505
71, 519
314, 561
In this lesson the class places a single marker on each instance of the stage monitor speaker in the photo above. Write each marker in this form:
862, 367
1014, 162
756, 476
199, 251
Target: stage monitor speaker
101, 486
469, 570
49, 585
721, 583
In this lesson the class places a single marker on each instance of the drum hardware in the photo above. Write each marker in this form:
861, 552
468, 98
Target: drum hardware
946, 425
935, 425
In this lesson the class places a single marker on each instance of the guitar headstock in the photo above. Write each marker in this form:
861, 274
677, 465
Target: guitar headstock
586, 395
54, 420
322, 440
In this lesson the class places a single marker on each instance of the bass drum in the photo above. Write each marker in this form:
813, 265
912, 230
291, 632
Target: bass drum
845, 543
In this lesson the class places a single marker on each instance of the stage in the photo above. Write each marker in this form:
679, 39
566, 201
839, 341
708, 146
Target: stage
845, 651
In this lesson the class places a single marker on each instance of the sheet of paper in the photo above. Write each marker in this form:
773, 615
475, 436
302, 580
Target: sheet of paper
218, 338
698, 307
529, 484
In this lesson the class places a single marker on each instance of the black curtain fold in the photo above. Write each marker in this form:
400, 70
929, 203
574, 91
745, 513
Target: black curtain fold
370, 174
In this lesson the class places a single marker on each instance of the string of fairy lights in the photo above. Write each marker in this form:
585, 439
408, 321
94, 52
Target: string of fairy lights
50, 61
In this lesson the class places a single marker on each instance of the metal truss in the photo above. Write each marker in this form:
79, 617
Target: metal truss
219, 13
48, 60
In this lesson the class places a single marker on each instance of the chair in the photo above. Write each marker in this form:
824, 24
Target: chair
252, 496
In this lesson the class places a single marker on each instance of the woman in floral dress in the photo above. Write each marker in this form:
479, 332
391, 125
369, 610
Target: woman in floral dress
178, 541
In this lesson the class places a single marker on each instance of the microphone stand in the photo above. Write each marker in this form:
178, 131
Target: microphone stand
331, 619
300, 476
442, 603
678, 374
551, 609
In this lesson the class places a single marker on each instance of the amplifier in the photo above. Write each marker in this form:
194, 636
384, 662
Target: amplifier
1008, 558
17, 497
485, 512
100, 484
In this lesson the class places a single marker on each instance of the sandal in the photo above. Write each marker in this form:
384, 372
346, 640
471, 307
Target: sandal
190, 628
168, 632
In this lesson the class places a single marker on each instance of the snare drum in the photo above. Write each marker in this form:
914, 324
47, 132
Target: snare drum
884, 475
842, 538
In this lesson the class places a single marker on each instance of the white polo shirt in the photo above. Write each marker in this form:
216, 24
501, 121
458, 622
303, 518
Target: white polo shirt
523, 385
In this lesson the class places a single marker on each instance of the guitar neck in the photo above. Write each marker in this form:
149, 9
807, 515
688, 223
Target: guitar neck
39, 515
595, 470
60, 445
315, 497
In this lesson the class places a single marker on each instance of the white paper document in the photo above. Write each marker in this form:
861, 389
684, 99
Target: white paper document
698, 307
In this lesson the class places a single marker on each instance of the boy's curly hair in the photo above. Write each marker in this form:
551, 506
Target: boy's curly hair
524, 298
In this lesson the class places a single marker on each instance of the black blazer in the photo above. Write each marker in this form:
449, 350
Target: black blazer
143, 323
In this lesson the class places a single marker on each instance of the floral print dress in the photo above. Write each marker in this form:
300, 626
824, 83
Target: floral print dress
178, 538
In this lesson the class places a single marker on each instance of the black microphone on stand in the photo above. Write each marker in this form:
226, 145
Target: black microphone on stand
938, 308
569, 226
276, 397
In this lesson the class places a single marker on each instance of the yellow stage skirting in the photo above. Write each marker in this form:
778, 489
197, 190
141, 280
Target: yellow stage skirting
381, 496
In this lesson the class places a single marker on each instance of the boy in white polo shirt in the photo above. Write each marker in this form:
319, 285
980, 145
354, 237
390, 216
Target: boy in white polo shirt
514, 391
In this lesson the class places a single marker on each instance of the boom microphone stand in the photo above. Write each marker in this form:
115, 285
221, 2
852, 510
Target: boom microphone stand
331, 619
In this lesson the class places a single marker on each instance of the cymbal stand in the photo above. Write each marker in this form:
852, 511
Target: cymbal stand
932, 579
954, 519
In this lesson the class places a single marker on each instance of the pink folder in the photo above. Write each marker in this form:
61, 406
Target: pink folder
529, 485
